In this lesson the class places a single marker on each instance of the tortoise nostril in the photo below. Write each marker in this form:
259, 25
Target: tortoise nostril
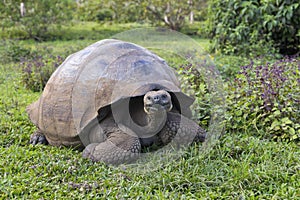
156, 99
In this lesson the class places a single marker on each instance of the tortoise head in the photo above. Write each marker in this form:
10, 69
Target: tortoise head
157, 101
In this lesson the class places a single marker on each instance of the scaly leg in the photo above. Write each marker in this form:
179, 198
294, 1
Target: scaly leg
118, 148
181, 130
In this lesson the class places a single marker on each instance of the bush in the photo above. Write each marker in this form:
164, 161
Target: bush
266, 96
263, 97
193, 83
90, 11
229, 66
40, 16
255, 27
105, 15
36, 71
13, 52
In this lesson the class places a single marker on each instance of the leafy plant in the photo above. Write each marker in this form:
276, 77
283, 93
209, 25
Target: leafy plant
14, 52
193, 83
266, 96
255, 27
105, 15
37, 71
92, 10
229, 66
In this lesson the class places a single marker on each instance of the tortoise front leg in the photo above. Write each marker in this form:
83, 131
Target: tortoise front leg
118, 148
181, 130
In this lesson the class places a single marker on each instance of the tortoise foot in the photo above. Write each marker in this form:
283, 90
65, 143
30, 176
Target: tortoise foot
38, 138
109, 153
117, 149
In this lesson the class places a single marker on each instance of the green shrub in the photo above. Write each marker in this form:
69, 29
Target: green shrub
13, 32
229, 66
193, 83
88, 10
14, 52
36, 71
255, 27
266, 96
40, 16
263, 97
105, 15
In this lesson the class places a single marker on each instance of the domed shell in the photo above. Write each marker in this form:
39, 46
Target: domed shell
95, 77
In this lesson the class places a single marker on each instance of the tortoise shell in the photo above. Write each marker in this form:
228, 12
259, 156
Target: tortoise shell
94, 78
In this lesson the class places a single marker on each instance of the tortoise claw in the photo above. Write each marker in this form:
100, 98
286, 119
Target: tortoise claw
38, 138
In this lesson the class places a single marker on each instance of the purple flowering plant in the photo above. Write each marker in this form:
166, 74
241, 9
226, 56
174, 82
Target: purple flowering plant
37, 70
266, 96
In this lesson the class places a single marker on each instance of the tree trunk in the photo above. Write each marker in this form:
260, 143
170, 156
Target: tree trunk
22, 9
191, 17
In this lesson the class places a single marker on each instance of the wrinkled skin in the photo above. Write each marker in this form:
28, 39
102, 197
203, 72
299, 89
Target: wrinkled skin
155, 123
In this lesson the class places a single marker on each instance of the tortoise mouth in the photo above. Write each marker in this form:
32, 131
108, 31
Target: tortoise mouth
151, 108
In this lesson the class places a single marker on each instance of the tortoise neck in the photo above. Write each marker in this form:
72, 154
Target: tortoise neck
155, 122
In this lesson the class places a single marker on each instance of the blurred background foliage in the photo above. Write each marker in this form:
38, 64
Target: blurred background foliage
235, 27
35, 19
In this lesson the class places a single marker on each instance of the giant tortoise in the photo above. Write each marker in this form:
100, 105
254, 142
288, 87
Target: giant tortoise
113, 99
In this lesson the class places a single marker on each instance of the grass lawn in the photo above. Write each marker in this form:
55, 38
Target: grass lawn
240, 166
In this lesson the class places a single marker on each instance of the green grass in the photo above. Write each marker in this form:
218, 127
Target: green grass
240, 166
